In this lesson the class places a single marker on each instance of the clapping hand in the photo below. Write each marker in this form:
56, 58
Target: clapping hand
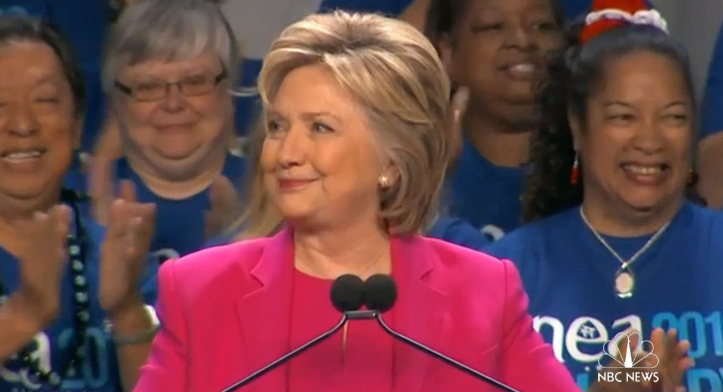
673, 360
42, 263
669, 361
130, 229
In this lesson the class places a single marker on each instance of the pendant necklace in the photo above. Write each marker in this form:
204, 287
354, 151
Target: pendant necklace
624, 277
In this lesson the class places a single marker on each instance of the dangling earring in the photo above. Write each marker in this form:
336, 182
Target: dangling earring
692, 177
384, 181
575, 173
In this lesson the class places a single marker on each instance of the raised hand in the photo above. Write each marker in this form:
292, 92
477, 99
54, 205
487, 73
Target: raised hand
460, 101
42, 262
225, 205
669, 363
673, 360
123, 256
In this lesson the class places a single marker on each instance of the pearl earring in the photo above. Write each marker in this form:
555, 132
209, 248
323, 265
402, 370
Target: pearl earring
384, 181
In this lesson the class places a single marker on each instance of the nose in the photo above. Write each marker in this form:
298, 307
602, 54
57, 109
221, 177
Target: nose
174, 101
648, 137
518, 36
22, 121
292, 150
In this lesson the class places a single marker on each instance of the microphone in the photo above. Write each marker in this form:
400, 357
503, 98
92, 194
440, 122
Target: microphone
380, 294
347, 296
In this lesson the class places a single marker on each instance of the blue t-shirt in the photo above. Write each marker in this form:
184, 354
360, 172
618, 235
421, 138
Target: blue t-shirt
485, 195
99, 372
712, 115
569, 276
459, 232
180, 224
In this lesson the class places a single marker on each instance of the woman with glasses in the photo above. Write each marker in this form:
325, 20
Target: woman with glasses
168, 71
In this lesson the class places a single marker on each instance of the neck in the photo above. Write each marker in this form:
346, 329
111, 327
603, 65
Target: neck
362, 251
628, 223
178, 189
502, 144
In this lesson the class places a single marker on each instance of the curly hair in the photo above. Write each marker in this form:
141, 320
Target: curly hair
573, 75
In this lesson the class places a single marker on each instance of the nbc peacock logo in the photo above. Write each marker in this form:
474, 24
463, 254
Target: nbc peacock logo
628, 358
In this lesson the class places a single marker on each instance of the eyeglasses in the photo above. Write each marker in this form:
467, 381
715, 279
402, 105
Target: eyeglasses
157, 90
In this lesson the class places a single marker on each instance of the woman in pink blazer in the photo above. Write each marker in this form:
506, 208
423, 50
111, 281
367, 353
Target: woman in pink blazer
356, 141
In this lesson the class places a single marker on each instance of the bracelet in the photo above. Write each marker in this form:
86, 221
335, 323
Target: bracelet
144, 336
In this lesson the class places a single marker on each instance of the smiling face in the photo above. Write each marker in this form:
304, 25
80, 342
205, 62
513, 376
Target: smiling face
498, 50
39, 127
319, 159
636, 145
175, 135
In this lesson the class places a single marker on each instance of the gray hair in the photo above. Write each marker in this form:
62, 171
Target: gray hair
169, 29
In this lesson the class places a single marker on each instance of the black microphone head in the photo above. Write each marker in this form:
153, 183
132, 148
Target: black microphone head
380, 292
347, 293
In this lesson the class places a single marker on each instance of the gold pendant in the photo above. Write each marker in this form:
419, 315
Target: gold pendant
624, 283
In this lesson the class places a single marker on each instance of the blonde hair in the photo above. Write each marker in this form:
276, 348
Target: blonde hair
394, 73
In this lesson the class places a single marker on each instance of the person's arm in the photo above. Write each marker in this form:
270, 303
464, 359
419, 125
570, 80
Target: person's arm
18, 325
139, 322
165, 369
528, 362
710, 148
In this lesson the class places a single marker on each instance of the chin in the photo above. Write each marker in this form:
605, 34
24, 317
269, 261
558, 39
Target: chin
643, 204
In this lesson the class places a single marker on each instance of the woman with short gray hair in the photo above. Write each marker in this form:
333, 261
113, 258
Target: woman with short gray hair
169, 68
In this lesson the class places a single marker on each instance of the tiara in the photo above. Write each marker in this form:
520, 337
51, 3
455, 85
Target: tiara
598, 22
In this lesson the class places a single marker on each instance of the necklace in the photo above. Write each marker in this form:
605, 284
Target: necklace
624, 277
76, 251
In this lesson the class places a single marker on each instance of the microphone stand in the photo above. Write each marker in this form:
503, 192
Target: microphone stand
349, 315
441, 356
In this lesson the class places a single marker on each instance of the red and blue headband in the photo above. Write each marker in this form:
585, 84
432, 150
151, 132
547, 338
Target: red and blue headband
610, 14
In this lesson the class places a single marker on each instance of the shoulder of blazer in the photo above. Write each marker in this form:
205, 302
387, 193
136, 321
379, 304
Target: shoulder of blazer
198, 270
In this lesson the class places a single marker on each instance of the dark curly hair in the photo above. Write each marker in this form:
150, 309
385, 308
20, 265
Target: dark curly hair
573, 75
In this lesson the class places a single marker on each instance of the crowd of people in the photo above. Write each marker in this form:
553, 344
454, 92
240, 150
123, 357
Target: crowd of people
528, 179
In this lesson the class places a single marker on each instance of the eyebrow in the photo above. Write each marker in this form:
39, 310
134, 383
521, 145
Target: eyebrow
309, 116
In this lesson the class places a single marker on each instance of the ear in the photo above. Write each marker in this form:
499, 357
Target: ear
576, 127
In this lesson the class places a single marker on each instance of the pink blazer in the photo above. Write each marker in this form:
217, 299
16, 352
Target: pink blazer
225, 313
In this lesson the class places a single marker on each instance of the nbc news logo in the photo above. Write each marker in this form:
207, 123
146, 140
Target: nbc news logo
628, 358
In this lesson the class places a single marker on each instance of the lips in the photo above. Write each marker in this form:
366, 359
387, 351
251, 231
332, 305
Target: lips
646, 173
292, 184
522, 70
21, 155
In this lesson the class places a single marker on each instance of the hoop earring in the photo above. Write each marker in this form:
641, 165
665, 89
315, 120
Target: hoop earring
384, 181
575, 173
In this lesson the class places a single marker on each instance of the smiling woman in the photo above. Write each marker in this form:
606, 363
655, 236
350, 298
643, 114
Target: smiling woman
356, 142
168, 71
612, 242
59, 287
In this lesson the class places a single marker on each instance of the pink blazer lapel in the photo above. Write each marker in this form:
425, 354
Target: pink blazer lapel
419, 312
264, 313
